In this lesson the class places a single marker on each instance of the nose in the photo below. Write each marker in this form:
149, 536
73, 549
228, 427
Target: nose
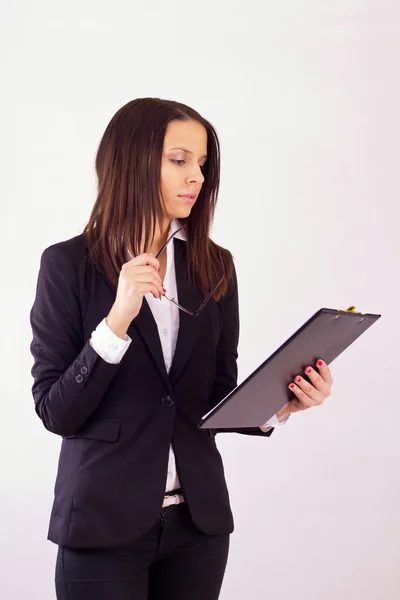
196, 176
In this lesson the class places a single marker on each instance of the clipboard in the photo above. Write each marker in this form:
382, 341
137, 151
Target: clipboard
265, 391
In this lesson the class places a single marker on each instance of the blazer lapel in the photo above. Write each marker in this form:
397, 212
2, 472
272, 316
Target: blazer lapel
189, 328
147, 327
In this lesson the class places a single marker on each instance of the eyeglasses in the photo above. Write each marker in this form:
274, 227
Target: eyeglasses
206, 299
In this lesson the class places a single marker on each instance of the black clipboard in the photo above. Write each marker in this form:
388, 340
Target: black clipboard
265, 391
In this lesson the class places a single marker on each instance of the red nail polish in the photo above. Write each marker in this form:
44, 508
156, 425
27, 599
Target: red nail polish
309, 370
291, 386
320, 363
164, 290
298, 379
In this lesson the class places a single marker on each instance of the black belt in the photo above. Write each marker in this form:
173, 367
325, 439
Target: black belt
173, 492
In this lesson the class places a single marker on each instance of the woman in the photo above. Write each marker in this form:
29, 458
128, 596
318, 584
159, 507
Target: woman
134, 340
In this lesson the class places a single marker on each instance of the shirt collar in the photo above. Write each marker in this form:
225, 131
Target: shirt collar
175, 225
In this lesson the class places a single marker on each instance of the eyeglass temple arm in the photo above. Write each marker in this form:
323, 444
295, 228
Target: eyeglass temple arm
206, 299
170, 237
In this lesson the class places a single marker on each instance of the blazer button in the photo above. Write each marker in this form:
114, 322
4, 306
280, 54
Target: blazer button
83, 370
167, 401
79, 379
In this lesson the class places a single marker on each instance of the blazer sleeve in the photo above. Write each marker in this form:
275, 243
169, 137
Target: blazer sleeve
227, 353
70, 378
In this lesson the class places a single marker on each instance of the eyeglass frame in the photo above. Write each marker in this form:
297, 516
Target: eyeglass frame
207, 298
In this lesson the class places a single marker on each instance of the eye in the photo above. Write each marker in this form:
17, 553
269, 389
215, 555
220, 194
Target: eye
178, 162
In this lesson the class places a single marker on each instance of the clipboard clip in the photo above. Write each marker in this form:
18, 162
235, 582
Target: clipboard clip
352, 309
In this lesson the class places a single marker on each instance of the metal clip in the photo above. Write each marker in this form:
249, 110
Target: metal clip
352, 309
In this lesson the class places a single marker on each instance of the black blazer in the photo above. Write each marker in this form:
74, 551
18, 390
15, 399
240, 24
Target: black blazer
117, 421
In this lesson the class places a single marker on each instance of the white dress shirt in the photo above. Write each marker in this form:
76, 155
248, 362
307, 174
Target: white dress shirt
166, 315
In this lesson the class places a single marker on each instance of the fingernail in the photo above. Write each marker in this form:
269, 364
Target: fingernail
164, 290
158, 269
291, 386
298, 379
320, 363
309, 370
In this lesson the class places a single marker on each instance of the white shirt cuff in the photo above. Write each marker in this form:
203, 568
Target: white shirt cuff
273, 422
109, 346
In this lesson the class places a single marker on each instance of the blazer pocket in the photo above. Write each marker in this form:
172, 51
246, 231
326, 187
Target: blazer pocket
104, 430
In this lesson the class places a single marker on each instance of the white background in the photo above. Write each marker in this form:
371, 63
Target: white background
305, 97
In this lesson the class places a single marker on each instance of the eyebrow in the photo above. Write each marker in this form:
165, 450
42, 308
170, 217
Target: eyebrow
187, 151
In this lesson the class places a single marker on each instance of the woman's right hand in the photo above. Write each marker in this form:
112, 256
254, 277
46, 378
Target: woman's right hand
137, 277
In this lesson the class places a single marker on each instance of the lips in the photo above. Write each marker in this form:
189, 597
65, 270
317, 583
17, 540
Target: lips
188, 196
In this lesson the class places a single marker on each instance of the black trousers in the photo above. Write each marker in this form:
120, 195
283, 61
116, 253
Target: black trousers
172, 561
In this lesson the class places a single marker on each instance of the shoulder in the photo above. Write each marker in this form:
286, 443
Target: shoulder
72, 251
65, 264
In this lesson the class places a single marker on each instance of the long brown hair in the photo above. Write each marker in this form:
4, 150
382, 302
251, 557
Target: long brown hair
129, 201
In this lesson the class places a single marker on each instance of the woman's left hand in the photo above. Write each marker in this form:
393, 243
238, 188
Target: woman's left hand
308, 394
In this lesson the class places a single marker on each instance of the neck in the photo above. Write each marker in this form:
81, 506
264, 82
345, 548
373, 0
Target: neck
160, 236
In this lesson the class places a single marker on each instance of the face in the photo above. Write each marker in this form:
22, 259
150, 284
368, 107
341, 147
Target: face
184, 154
